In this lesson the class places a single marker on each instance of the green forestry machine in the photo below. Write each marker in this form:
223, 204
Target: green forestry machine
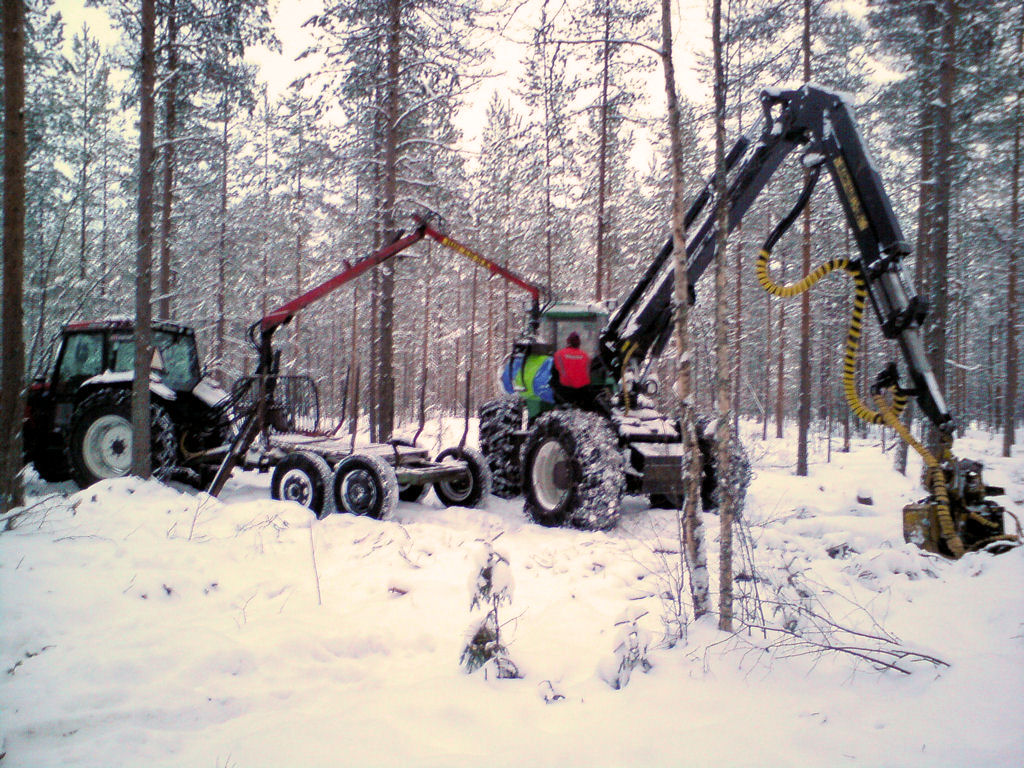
574, 462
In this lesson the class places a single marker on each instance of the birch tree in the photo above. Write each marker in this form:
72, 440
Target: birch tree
690, 525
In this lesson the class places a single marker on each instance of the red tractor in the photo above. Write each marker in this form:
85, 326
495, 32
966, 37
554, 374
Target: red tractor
78, 418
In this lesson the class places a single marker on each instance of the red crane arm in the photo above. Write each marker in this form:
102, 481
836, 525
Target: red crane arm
285, 312
469, 253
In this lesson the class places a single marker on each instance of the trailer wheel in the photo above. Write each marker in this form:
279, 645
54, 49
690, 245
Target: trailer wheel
467, 491
573, 471
304, 478
365, 485
411, 492
499, 419
101, 438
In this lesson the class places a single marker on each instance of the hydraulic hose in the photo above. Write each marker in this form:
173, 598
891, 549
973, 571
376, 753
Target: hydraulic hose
936, 476
853, 331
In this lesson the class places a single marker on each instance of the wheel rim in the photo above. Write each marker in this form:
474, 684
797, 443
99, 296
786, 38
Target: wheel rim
551, 476
297, 486
107, 446
458, 489
359, 492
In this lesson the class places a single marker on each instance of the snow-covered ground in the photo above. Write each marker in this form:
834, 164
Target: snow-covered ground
145, 626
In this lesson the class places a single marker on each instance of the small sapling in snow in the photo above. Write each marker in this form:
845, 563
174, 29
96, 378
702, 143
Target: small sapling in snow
630, 652
490, 587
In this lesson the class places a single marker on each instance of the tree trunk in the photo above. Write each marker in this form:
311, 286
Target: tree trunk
692, 527
105, 206
170, 134
386, 384
737, 319
300, 223
12, 391
602, 153
767, 365
222, 252
804, 420
780, 388
83, 173
944, 158
144, 255
1017, 242
723, 364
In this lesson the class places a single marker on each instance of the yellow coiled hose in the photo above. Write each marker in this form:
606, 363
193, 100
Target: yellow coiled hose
936, 476
853, 332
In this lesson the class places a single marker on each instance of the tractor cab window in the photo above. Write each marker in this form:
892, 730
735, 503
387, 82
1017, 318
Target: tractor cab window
555, 332
174, 358
81, 359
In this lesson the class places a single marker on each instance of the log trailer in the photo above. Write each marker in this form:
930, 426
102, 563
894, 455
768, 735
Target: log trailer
573, 464
312, 467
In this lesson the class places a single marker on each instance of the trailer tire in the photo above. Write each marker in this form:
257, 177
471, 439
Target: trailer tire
100, 446
304, 478
499, 419
469, 491
573, 471
365, 485
410, 492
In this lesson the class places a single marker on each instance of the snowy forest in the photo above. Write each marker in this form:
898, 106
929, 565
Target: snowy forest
258, 197
693, 557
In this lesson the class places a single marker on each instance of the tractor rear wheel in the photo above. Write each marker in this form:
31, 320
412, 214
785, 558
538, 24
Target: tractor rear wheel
101, 438
573, 471
499, 419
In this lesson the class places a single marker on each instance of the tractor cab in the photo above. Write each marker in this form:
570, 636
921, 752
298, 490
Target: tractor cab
561, 319
527, 372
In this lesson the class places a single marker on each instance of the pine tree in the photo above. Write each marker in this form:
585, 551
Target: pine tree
406, 68
141, 459
12, 391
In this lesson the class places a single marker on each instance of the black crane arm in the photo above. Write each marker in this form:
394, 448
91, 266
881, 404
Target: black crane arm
821, 123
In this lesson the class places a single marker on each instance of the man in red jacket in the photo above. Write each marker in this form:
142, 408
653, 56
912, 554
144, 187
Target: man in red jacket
573, 367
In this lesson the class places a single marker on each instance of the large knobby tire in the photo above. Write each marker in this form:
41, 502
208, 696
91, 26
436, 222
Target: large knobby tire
101, 438
365, 485
573, 471
469, 490
498, 420
51, 468
304, 478
712, 481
